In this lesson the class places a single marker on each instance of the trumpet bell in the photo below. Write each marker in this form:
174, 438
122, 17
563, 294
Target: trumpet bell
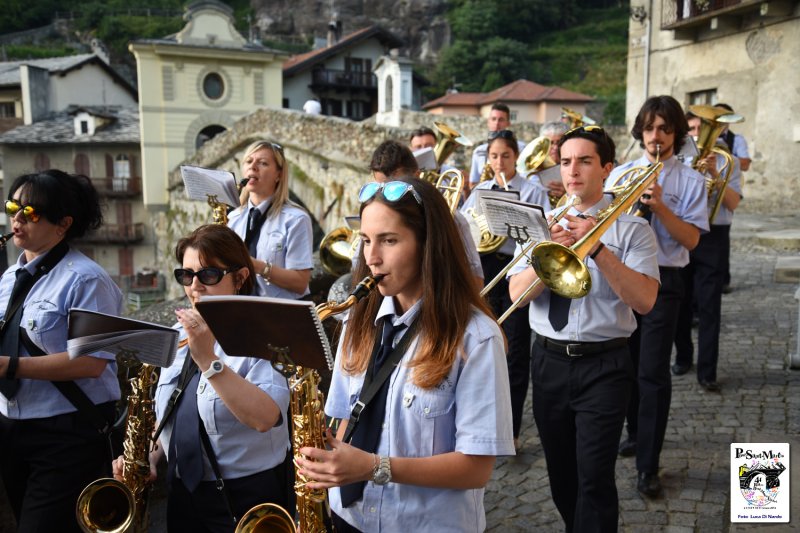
105, 505
337, 249
266, 518
561, 270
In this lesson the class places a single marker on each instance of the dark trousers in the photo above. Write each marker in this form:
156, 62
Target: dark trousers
707, 271
46, 463
579, 407
684, 347
517, 330
651, 349
205, 510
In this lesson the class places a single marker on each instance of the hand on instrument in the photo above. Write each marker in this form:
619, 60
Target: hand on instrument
652, 197
118, 464
201, 340
561, 235
579, 226
708, 165
556, 189
341, 465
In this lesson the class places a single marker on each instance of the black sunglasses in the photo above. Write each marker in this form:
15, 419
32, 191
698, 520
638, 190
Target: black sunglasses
207, 276
591, 129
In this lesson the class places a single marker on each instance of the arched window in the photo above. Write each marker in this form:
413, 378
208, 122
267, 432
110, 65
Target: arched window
206, 134
82, 164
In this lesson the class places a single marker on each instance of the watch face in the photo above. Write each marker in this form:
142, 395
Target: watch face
217, 366
381, 477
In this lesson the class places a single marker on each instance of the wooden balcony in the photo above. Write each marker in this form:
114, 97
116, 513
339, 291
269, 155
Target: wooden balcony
117, 234
118, 187
342, 79
688, 14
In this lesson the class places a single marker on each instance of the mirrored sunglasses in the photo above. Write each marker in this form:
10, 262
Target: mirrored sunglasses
207, 276
392, 191
28, 211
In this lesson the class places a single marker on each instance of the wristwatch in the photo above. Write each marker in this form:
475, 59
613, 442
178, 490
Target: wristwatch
382, 474
215, 368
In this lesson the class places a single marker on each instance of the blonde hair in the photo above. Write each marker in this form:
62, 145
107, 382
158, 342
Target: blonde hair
281, 195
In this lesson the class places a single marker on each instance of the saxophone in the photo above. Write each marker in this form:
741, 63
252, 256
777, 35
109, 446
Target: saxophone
308, 419
109, 505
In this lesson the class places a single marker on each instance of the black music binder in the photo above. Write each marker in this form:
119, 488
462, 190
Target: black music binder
276, 329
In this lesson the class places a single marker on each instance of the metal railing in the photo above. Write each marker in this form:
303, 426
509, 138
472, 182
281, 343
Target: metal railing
117, 233
676, 11
116, 186
344, 78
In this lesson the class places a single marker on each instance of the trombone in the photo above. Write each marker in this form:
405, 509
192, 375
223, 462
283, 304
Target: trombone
563, 270
573, 200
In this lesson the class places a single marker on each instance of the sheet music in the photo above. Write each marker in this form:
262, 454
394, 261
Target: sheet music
353, 222
202, 182
426, 159
489, 193
519, 221
549, 175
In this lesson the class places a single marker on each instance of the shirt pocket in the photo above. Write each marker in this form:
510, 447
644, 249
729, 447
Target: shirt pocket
44, 322
167, 382
600, 287
215, 415
276, 248
432, 415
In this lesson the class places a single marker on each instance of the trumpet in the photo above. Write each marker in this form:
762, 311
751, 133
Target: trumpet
573, 200
563, 270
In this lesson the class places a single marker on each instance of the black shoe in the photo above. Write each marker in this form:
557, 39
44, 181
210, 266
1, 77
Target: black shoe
709, 386
679, 370
648, 484
727, 289
627, 448
695, 322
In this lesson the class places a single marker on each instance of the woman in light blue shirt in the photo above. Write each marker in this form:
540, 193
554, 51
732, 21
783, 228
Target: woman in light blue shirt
276, 231
239, 400
445, 410
49, 448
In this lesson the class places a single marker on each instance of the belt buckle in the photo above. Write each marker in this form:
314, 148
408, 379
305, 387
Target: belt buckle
569, 350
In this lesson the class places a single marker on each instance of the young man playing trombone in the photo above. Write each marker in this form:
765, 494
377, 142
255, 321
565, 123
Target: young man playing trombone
581, 368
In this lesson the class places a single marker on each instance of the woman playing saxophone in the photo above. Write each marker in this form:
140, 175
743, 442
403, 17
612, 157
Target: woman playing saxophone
237, 401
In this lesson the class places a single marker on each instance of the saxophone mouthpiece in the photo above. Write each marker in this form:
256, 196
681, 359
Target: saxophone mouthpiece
366, 285
4, 239
243, 182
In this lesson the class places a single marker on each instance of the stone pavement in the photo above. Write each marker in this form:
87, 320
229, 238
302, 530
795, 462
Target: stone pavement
759, 402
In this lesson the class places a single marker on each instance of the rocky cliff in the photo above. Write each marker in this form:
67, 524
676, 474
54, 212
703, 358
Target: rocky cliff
420, 23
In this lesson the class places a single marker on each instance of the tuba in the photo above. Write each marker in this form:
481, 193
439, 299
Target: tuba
307, 417
575, 119
712, 121
111, 506
563, 270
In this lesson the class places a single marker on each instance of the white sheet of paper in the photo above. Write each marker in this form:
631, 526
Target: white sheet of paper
519, 221
202, 182
549, 175
426, 159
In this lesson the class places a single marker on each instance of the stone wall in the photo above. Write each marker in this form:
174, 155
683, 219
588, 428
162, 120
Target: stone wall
328, 158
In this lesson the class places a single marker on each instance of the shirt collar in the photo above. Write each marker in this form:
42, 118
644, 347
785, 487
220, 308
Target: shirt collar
263, 206
387, 309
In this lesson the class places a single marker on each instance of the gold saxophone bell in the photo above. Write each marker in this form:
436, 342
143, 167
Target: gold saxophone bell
105, 505
266, 518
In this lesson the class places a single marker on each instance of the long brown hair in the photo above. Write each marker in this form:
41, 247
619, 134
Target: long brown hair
219, 246
449, 294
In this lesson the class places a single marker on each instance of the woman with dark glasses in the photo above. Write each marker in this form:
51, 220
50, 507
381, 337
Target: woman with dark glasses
423, 447
236, 401
503, 151
52, 408
276, 231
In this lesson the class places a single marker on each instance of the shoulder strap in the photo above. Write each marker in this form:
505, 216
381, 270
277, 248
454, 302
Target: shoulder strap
183, 380
70, 390
371, 386
212, 458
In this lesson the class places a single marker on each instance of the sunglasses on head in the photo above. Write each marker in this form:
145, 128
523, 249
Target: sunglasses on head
207, 275
502, 134
28, 211
595, 130
392, 191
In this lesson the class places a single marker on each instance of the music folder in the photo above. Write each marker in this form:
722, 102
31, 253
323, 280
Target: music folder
200, 183
90, 332
276, 329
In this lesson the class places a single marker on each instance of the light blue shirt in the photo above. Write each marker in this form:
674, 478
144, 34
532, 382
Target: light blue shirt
75, 282
684, 193
600, 315
469, 412
479, 156
240, 450
286, 241
528, 193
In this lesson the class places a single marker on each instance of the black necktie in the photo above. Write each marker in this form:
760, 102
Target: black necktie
185, 448
254, 222
10, 343
368, 431
559, 311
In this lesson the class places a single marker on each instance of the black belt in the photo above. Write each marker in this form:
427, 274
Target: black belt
669, 269
577, 349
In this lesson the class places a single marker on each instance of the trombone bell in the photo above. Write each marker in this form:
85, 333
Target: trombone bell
561, 270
